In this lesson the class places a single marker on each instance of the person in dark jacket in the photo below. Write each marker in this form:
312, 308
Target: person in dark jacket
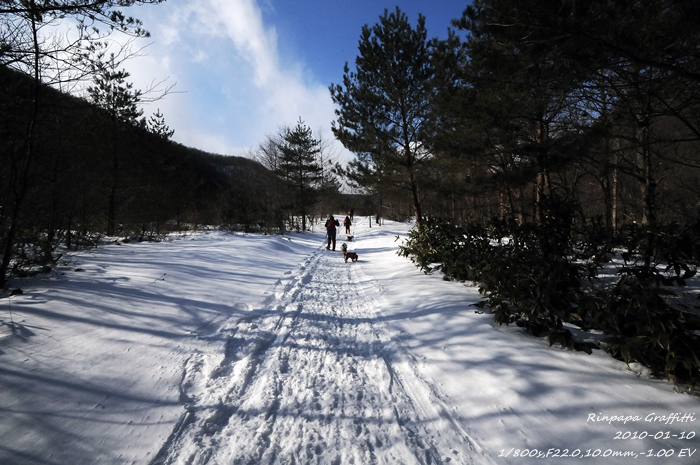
347, 223
331, 224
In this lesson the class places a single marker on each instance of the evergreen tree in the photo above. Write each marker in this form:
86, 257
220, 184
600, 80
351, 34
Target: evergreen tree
549, 64
385, 102
268, 154
113, 93
525, 82
156, 125
299, 167
117, 97
329, 184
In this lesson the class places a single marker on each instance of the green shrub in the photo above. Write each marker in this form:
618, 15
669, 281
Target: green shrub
540, 277
641, 313
531, 281
645, 327
459, 252
522, 270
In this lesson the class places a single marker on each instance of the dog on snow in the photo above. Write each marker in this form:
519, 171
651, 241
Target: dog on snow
351, 255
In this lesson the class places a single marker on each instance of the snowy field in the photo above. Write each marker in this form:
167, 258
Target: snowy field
216, 348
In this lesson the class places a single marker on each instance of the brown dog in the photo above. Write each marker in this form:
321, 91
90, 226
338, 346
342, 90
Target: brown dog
351, 255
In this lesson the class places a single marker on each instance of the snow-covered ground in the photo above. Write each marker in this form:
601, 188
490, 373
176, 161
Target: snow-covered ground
224, 349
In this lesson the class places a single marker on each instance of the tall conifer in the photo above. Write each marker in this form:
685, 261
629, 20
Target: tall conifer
385, 102
298, 165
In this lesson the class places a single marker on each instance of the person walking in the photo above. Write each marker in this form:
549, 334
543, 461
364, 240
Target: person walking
331, 224
347, 222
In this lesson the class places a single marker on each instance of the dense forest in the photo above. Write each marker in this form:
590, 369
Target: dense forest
91, 177
547, 150
594, 104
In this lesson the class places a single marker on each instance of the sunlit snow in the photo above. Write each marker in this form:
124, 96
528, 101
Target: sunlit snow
220, 348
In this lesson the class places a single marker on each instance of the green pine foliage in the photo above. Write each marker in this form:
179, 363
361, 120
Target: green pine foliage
299, 168
112, 92
384, 104
459, 252
156, 125
645, 325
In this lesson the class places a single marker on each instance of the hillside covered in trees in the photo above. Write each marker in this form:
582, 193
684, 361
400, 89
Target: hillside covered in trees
84, 169
79, 162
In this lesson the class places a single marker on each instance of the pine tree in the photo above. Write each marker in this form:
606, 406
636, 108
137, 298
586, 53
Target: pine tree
299, 167
156, 125
385, 103
113, 93
524, 79
117, 97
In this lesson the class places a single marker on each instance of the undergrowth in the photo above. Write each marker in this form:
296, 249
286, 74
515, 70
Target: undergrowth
547, 276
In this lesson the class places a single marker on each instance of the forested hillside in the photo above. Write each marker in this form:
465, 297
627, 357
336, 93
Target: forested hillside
84, 164
78, 160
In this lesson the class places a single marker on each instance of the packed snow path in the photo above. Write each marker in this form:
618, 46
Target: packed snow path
313, 378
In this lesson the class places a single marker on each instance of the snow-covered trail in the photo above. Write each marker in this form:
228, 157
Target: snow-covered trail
313, 378
225, 348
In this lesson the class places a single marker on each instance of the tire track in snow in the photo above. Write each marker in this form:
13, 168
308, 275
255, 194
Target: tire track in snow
313, 378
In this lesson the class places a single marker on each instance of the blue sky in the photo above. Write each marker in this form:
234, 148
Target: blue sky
245, 68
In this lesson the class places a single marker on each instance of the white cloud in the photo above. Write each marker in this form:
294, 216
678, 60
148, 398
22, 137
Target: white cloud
238, 88
244, 25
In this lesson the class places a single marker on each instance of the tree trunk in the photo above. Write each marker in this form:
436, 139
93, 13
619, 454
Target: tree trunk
543, 183
25, 163
112, 207
649, 184
415, 199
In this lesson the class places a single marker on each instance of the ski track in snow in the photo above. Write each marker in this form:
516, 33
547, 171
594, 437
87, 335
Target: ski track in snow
314, 378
